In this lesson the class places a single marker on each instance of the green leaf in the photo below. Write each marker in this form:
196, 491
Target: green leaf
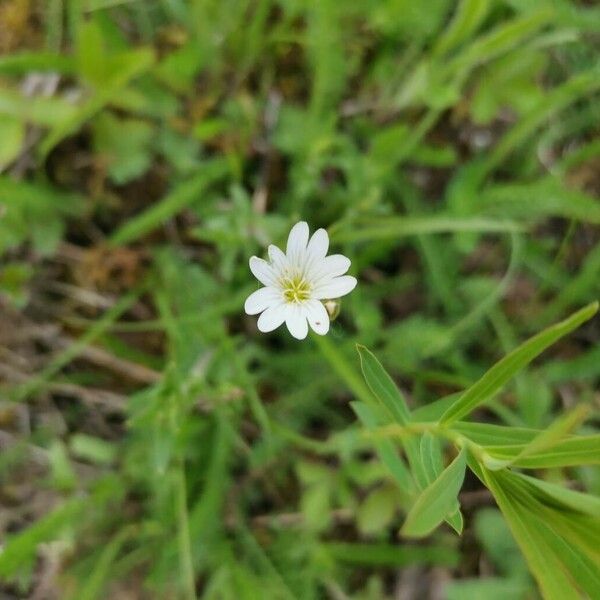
511, 364
12, 134
580, 84
553, 581
547, 439
376, 511
466, 20
39, 109
573, 451
545, 197
487, 434
562, 556
385, 448
124, 67
563, 497
125, 144
34, 212
383, 386
92, 448
19, 550
96, 581
490, 588
436, 501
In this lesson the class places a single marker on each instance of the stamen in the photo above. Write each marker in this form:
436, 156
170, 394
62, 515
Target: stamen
295, 289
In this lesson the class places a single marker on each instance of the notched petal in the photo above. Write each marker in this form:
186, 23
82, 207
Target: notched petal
335, 288
263, 271
260, 300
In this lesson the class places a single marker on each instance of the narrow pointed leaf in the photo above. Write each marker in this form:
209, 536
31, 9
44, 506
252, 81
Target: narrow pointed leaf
570, 452
383, 386
546, 439
505, 369
552, 579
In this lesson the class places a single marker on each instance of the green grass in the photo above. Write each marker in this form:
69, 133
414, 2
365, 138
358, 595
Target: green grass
168, 448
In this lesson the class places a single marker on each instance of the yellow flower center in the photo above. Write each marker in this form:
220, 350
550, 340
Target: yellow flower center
295, 289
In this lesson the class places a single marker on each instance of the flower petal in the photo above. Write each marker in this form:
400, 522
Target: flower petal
296, 244
317, 316
263, 271
277, 258
295, 320
335, 288
260, 299
271, 318
329, 267
318, 245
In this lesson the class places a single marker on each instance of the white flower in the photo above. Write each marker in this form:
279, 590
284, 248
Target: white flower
296, 283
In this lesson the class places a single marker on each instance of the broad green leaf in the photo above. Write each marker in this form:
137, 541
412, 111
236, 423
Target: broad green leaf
505, 369
382, 386
436, 501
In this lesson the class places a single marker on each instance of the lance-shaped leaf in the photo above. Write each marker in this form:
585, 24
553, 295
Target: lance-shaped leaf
437, 500
570, 452
561, 554
383, 386
546, 440
511, 364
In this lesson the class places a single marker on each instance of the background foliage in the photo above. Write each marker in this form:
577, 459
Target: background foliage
154, 444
